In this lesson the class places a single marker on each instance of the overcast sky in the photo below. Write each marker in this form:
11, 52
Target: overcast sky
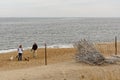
59, 8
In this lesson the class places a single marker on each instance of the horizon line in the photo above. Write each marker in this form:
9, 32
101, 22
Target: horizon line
61, 17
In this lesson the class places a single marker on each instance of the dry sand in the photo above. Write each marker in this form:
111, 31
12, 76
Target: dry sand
53, 56
61, 66
64, 71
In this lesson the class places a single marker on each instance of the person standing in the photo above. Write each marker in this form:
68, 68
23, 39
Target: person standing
20, 52
34, 50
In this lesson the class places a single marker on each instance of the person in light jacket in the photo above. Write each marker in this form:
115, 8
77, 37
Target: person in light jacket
20, 52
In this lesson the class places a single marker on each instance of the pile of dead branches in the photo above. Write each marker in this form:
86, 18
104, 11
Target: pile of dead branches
86, 52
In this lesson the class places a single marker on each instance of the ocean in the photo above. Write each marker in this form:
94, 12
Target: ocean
55, 32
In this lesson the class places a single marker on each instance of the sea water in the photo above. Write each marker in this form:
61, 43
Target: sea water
55, 32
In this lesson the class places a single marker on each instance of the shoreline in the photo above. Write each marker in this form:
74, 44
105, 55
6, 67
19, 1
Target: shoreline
49, 46
55, 46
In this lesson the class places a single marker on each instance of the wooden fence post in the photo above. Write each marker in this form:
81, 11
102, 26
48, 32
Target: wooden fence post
115, 45
45, 54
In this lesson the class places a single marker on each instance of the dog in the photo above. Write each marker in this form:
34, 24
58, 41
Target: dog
26, 58
16, 56
11, 58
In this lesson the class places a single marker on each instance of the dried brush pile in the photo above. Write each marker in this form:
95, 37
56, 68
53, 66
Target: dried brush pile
86, 52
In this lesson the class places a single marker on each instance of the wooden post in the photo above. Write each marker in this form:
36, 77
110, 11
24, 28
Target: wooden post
115, 45
45, 54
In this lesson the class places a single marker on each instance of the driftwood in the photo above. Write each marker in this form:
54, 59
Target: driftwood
87, 53
112, 59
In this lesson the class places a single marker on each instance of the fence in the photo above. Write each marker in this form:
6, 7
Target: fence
109, 48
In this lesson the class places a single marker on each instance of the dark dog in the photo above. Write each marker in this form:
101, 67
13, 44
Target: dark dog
26, 58
16, 56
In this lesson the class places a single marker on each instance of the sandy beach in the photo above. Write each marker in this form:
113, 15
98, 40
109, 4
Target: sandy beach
61, 66
54, 56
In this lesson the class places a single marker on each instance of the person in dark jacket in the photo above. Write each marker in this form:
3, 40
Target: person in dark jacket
34, 50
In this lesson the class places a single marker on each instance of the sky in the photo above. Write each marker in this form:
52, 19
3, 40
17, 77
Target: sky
59, 8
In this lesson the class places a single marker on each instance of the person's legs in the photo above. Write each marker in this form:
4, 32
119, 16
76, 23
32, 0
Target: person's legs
34, 53
21, 56
18, 56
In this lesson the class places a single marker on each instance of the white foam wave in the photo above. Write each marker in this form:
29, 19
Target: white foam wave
61, 46
49, 46
6, 51
11, 50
